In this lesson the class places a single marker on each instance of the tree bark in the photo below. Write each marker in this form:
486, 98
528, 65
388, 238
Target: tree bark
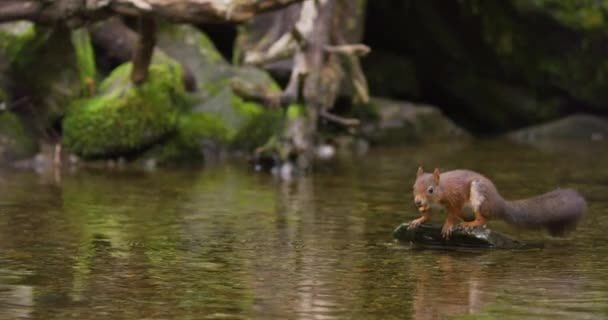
144, 49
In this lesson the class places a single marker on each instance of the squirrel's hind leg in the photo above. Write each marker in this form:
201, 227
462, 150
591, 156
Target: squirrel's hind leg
477, 200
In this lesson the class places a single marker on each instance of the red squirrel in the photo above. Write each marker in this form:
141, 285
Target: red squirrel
557, 211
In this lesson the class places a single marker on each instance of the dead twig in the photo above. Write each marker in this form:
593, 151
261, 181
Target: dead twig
348, 122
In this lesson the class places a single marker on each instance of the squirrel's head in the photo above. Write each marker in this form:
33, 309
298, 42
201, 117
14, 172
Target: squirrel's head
426, 189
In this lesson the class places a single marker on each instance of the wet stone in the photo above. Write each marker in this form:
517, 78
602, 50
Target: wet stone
428, 235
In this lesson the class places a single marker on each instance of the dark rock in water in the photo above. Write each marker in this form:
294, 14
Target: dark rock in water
427, 235
403, 121
576, 128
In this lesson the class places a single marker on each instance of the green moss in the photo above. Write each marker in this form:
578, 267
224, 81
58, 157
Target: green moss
195, 131
15, 142
295, 111
124, 118
198, 126
258, 125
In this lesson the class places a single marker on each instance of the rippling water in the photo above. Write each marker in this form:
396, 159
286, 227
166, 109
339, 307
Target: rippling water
226, 243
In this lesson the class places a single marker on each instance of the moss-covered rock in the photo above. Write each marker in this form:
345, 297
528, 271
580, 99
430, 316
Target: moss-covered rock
196, 133
247, 124
125, 118
15, 142
257, 127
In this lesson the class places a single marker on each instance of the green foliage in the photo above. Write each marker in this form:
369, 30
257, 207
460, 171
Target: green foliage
14, 37
563, 52
85, 57
576, 14
44, 68
125, 118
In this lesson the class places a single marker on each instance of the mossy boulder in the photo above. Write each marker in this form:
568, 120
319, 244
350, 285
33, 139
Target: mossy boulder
196, 135
247, 125
15, 142
124, 118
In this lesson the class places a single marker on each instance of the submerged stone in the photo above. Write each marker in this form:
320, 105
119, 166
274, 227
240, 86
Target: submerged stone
427, 235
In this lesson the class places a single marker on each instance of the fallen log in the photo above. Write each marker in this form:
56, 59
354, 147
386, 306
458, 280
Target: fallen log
78, 12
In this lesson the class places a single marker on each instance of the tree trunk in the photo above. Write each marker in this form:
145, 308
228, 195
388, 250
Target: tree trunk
144, 49
322, 59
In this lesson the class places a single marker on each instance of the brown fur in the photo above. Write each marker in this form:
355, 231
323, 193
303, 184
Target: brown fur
558, 211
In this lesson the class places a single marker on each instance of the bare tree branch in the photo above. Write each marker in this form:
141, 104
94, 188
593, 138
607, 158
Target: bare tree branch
259, 94
359, 50
349, 122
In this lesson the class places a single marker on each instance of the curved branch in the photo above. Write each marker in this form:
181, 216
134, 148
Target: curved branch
349, 122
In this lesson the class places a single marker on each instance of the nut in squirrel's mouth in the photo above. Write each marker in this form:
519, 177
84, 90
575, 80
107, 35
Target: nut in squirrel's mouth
424, 209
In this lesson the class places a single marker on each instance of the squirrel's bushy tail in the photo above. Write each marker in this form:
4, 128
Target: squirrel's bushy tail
557, 211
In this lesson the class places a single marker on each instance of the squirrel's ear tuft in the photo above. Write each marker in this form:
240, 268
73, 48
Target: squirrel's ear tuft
420, 172
436, 176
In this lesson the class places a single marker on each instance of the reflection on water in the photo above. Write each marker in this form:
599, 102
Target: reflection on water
225, 242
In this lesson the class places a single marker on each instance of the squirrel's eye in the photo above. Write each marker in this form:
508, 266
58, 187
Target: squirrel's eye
430, 190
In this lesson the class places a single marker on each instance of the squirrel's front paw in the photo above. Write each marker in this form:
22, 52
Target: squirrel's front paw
415, 223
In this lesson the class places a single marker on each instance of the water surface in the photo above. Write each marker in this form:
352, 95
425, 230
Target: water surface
228, 243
